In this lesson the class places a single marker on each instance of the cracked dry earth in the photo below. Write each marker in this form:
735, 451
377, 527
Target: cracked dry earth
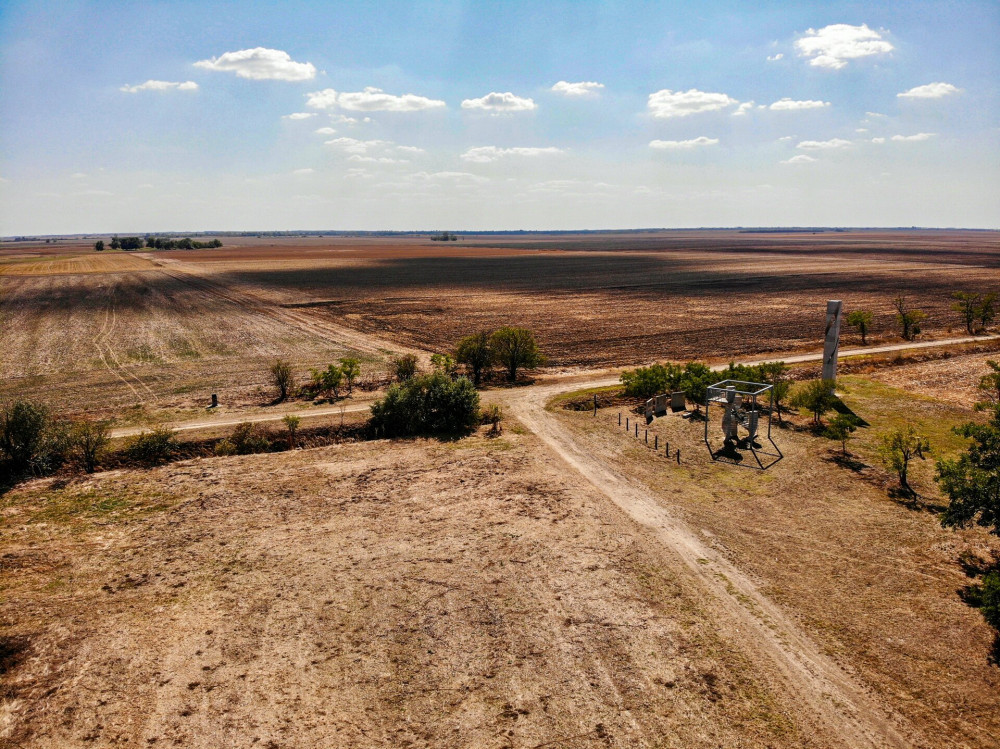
370, 594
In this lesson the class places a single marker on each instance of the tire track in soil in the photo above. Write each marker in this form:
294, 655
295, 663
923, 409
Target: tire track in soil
828, 699
117, 361
296, 317
98, 342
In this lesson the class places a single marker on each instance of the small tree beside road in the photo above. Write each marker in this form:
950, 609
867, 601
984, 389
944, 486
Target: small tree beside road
816, 396
515, 348
861, 320
282, 378
909, 319
476, 353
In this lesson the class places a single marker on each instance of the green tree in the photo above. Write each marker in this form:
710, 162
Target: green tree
987, 310
99, 245
909, 319
90, 441
282, 378
115, 243
776, 374
989, 386
861, 320
152, 448
444, 364
515, 349
476, 353
351, 368
972, 480
898, 447
842, 428
427, 404
333, 378
966, 304
816, 396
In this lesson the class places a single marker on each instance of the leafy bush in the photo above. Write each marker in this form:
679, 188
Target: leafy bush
427, 404
351, 368
493, 415
248, 438
404, 367
152, 448
816, 396
645, 382
972, 480
30, 439
695, 381
90, 441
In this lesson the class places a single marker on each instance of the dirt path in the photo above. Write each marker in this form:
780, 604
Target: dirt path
829, 698
229, 420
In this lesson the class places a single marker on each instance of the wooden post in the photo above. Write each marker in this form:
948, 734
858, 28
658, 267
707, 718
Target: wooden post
215, 400
619, 418
656, 442
645, 437
637, 430
626, 424
595, 404
678, 453
666, 449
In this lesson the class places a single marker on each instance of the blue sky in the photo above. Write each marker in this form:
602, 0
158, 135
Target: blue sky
161, 116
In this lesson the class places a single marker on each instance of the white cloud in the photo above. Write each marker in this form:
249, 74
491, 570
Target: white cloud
353, 145
307, 170
800, 159
342, 119
326, 131
410, 149
666, 103
370, 100
788, 105
929, 91
260, 64
775, 58
583, 88
497, 102
823, 145
448, 177
861, 130
912, 138
298, 116
833, 46
486, 154
874, 114
152, 85
668, 145
743, 108
376, 159
878, 140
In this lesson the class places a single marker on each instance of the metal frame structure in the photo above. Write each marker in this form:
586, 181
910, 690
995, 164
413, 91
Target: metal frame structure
724, 392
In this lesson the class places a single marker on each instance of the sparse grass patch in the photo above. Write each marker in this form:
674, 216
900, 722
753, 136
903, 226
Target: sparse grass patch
60, 503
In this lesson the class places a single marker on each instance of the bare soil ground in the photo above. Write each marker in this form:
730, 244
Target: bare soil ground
618, 299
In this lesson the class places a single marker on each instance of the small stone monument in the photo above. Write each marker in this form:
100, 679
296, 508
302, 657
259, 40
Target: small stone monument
677, 402
661, 405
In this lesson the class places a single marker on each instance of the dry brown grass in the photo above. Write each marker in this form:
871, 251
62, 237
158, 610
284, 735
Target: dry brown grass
365, 595
92, 262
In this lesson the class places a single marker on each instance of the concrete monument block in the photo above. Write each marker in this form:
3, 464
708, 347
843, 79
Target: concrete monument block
660, 407
677, 402
832, 342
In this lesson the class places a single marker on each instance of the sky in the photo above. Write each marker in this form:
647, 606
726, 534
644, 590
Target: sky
136, 117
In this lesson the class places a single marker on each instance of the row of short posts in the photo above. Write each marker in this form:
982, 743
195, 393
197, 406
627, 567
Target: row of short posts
656, 437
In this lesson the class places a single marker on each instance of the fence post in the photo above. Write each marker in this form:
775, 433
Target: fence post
645, 437
627, 427
619, 418
678, 453
595, 404
637, 430
656, 442
666, 449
